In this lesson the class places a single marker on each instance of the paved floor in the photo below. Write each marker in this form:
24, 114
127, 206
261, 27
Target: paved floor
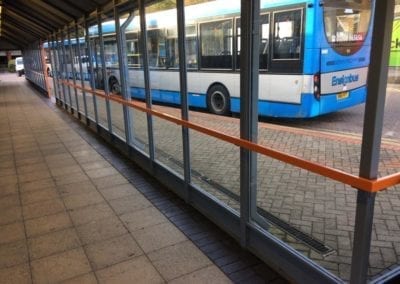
73, 211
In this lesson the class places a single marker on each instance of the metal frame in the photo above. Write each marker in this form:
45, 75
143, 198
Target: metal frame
249, 74
81, 68
66, 78
104, 71
62, 67
124, 71
180, 6
372, 136
71, 55
146, 71
52, 63
92, 75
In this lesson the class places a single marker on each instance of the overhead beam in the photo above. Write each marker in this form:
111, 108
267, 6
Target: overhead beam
27, 22
53, 10
42, 23
29, 8
14, 25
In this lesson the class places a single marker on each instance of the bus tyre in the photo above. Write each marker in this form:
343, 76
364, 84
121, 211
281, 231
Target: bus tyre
115, 88
218, 100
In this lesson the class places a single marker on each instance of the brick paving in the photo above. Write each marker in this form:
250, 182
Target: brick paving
321, 208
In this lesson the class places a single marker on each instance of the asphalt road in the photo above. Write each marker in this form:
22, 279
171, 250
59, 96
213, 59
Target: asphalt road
351, 120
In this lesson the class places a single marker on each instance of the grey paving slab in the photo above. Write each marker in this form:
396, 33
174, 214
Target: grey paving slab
58, 267
132, 271
112, 251
68, 215
47, 224
16, 274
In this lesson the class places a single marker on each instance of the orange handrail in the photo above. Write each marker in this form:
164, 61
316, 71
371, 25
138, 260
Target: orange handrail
364, 184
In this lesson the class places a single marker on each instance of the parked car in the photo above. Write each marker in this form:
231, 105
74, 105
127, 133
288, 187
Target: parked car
19, 66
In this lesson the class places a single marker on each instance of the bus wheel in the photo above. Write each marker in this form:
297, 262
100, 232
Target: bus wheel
218, 100
115, 88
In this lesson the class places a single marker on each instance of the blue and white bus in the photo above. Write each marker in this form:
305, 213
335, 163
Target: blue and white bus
314, 56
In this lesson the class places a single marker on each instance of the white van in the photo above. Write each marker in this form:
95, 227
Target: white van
19, 66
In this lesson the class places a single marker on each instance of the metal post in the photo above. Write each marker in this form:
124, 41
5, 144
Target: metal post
52, 63
72, 56
78, 43
249, 58
92, 83
180, 7
56, 65
124, 71
66, 69
372, 134
143, 40
61, 66
104, 71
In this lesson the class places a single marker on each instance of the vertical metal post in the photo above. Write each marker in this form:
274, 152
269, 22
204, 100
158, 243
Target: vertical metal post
73, 71
180, 7
104, 72
78, 44
52, 63
124, 71
65, 64
62, 69
92, 75
38, 58
372, 134
143, 47
249, 58
55, 66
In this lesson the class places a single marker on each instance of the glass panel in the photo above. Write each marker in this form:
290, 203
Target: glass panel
113, 75
66, 67
162, 47
62, 68
78, 38
346, 24
216, 44
89, 68
385, 243
95, 46
264, 41
216, 169
312, 214
215, 165
287, 34
168, 144
137, 120
72, 68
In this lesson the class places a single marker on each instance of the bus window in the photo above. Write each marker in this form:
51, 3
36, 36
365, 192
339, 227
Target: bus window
264, 42
191, 46
156, 46
346, 24
216, 44
132, 50
172, 55
286, 37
